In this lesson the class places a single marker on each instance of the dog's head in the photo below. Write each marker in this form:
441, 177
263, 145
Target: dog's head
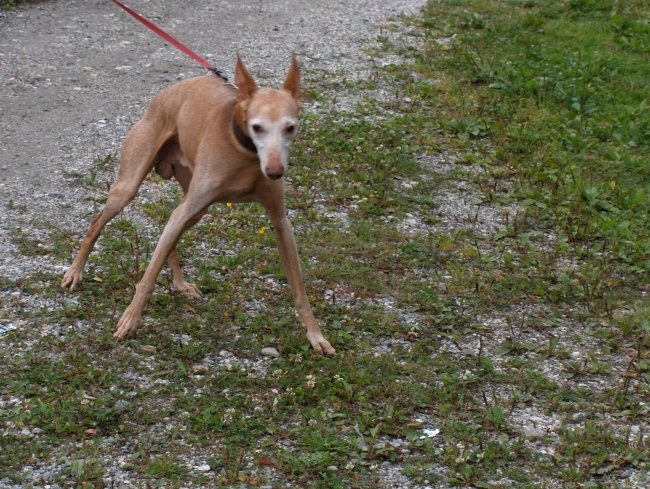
270, 116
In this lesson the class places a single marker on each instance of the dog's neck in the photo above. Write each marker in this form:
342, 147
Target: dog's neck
242, 138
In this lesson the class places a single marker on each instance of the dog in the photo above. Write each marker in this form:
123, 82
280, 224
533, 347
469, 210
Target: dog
222, 143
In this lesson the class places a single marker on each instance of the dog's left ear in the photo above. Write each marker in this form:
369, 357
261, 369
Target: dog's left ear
292, 82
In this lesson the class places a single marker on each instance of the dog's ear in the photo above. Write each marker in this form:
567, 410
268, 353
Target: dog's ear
292, 82
245, 84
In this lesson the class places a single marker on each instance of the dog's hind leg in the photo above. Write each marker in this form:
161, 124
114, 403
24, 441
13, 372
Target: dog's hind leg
169, 165
138, 153
190, 208
180, 284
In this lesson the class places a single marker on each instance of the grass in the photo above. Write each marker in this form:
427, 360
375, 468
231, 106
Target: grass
504, 344
9, 4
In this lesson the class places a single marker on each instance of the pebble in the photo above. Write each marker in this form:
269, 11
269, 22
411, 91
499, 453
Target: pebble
200, 369
270, 352
122, 405
532, 432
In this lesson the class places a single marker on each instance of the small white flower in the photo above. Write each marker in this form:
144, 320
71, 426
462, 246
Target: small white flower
227, 415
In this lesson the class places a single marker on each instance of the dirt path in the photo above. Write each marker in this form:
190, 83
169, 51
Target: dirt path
75, 75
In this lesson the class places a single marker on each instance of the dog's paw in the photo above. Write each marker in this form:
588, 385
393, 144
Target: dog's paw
326, 348
71, 279
321, 345
188, 289
127, 324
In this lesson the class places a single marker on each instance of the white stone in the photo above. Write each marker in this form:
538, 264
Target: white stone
270, 352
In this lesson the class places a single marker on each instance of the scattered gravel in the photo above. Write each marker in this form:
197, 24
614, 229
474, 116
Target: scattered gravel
75, 75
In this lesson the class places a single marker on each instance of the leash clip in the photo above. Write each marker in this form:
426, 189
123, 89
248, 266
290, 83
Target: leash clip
218, 72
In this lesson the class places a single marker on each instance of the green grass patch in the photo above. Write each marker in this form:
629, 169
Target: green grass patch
560, 90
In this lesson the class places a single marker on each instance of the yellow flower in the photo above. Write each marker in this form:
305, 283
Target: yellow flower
262, 230
228, 204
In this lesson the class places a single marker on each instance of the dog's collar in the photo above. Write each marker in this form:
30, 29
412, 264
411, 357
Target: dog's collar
243, 138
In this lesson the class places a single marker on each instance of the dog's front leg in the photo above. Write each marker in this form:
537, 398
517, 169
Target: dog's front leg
189, 208
289, 256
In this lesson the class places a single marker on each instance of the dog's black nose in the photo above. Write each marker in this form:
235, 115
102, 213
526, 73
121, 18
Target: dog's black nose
275, 176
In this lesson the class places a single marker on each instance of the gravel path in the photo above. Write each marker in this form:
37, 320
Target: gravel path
76, 74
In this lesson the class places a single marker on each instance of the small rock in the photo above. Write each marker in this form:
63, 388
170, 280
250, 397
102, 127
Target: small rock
204, 468
270, 352
148, 349
532, 432
199, 369
122, 405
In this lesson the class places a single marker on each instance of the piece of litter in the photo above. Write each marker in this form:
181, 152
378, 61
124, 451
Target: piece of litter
5, 328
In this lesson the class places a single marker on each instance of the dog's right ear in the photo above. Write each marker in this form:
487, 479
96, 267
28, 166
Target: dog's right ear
246, 86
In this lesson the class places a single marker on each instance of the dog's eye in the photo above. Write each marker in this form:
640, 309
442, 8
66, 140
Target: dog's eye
290, 129
257, 129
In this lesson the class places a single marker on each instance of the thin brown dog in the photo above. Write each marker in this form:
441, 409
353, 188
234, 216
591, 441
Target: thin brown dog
222, 144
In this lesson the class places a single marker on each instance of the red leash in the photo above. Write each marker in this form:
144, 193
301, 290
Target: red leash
171, 40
